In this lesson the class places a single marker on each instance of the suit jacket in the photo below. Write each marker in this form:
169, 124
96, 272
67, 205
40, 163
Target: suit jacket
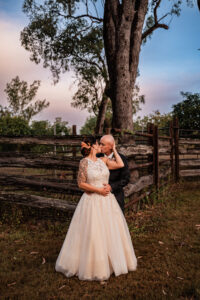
118, 179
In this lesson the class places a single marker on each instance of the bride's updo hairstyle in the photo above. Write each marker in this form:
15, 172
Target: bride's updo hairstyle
87, 144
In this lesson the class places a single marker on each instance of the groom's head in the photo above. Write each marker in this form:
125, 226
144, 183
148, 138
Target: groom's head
106, 144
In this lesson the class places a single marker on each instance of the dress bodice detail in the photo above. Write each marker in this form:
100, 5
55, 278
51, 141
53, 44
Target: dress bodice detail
95, 173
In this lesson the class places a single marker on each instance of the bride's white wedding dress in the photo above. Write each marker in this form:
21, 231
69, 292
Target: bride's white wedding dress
98, 241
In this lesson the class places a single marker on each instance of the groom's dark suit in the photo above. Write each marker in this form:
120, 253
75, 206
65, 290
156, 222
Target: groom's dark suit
118, 179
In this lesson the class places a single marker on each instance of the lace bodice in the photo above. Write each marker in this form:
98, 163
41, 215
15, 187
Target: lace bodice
95, 173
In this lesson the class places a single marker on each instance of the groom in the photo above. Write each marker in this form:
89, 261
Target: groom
119, 177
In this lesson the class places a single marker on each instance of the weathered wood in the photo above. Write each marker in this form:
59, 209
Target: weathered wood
32, 154
164, 137
140, 166
63, 186
190, 163
164, 151
190, 173
176, 148
162, 148
189, 141
44, 163
188, 151
74, 130
37, 201
131, 150
150, 135
143, 182
164, 161
164, 143
150, 143
134, 173
56, 140
155, 157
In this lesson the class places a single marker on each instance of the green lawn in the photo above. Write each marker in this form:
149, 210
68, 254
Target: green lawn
166, 241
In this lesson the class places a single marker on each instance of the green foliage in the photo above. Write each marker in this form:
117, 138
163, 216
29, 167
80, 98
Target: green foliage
161, 120
61, 127
46, 128
41, 128
68, 35
20, 96
14, 126
137, 99
154, 20
188, 111
89, 126
63, 40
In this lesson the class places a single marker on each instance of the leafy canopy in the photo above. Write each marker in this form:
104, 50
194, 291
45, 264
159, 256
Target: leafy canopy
188, 111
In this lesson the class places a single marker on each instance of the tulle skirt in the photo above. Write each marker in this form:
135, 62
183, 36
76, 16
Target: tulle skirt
98, 241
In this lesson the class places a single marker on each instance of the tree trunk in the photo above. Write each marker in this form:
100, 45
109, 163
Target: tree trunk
101, 115
122, 34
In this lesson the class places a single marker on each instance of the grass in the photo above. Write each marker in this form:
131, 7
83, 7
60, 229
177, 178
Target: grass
165, 238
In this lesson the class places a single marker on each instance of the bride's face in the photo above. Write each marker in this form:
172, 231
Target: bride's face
97, 147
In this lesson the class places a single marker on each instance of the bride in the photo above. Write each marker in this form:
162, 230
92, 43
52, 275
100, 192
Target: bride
98, 241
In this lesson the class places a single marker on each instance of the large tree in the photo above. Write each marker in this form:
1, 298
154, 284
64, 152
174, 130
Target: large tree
67, 34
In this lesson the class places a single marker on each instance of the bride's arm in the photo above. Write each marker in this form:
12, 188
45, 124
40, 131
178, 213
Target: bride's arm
82, 178
112, 165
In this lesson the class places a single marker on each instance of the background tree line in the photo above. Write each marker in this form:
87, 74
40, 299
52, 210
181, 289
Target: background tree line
16, 118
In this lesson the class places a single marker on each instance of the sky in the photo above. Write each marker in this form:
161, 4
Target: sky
169, 63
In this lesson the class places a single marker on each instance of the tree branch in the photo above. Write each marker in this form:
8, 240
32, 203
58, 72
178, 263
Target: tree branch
156, 24
89, 62
93, 18
154, 27
155, 11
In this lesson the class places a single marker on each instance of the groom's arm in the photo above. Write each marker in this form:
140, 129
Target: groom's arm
124, 176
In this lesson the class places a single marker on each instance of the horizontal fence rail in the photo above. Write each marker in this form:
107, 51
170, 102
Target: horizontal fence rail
49, 165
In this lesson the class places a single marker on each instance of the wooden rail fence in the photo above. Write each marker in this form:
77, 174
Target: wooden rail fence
154, 160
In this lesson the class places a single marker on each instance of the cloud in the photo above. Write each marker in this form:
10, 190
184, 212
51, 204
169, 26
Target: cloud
14, 60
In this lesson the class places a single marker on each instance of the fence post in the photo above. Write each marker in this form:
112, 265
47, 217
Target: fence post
172, 149
74, 150
176, 148
150, 142
155, 157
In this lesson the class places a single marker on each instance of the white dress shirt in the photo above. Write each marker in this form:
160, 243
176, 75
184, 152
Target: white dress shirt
110, 156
